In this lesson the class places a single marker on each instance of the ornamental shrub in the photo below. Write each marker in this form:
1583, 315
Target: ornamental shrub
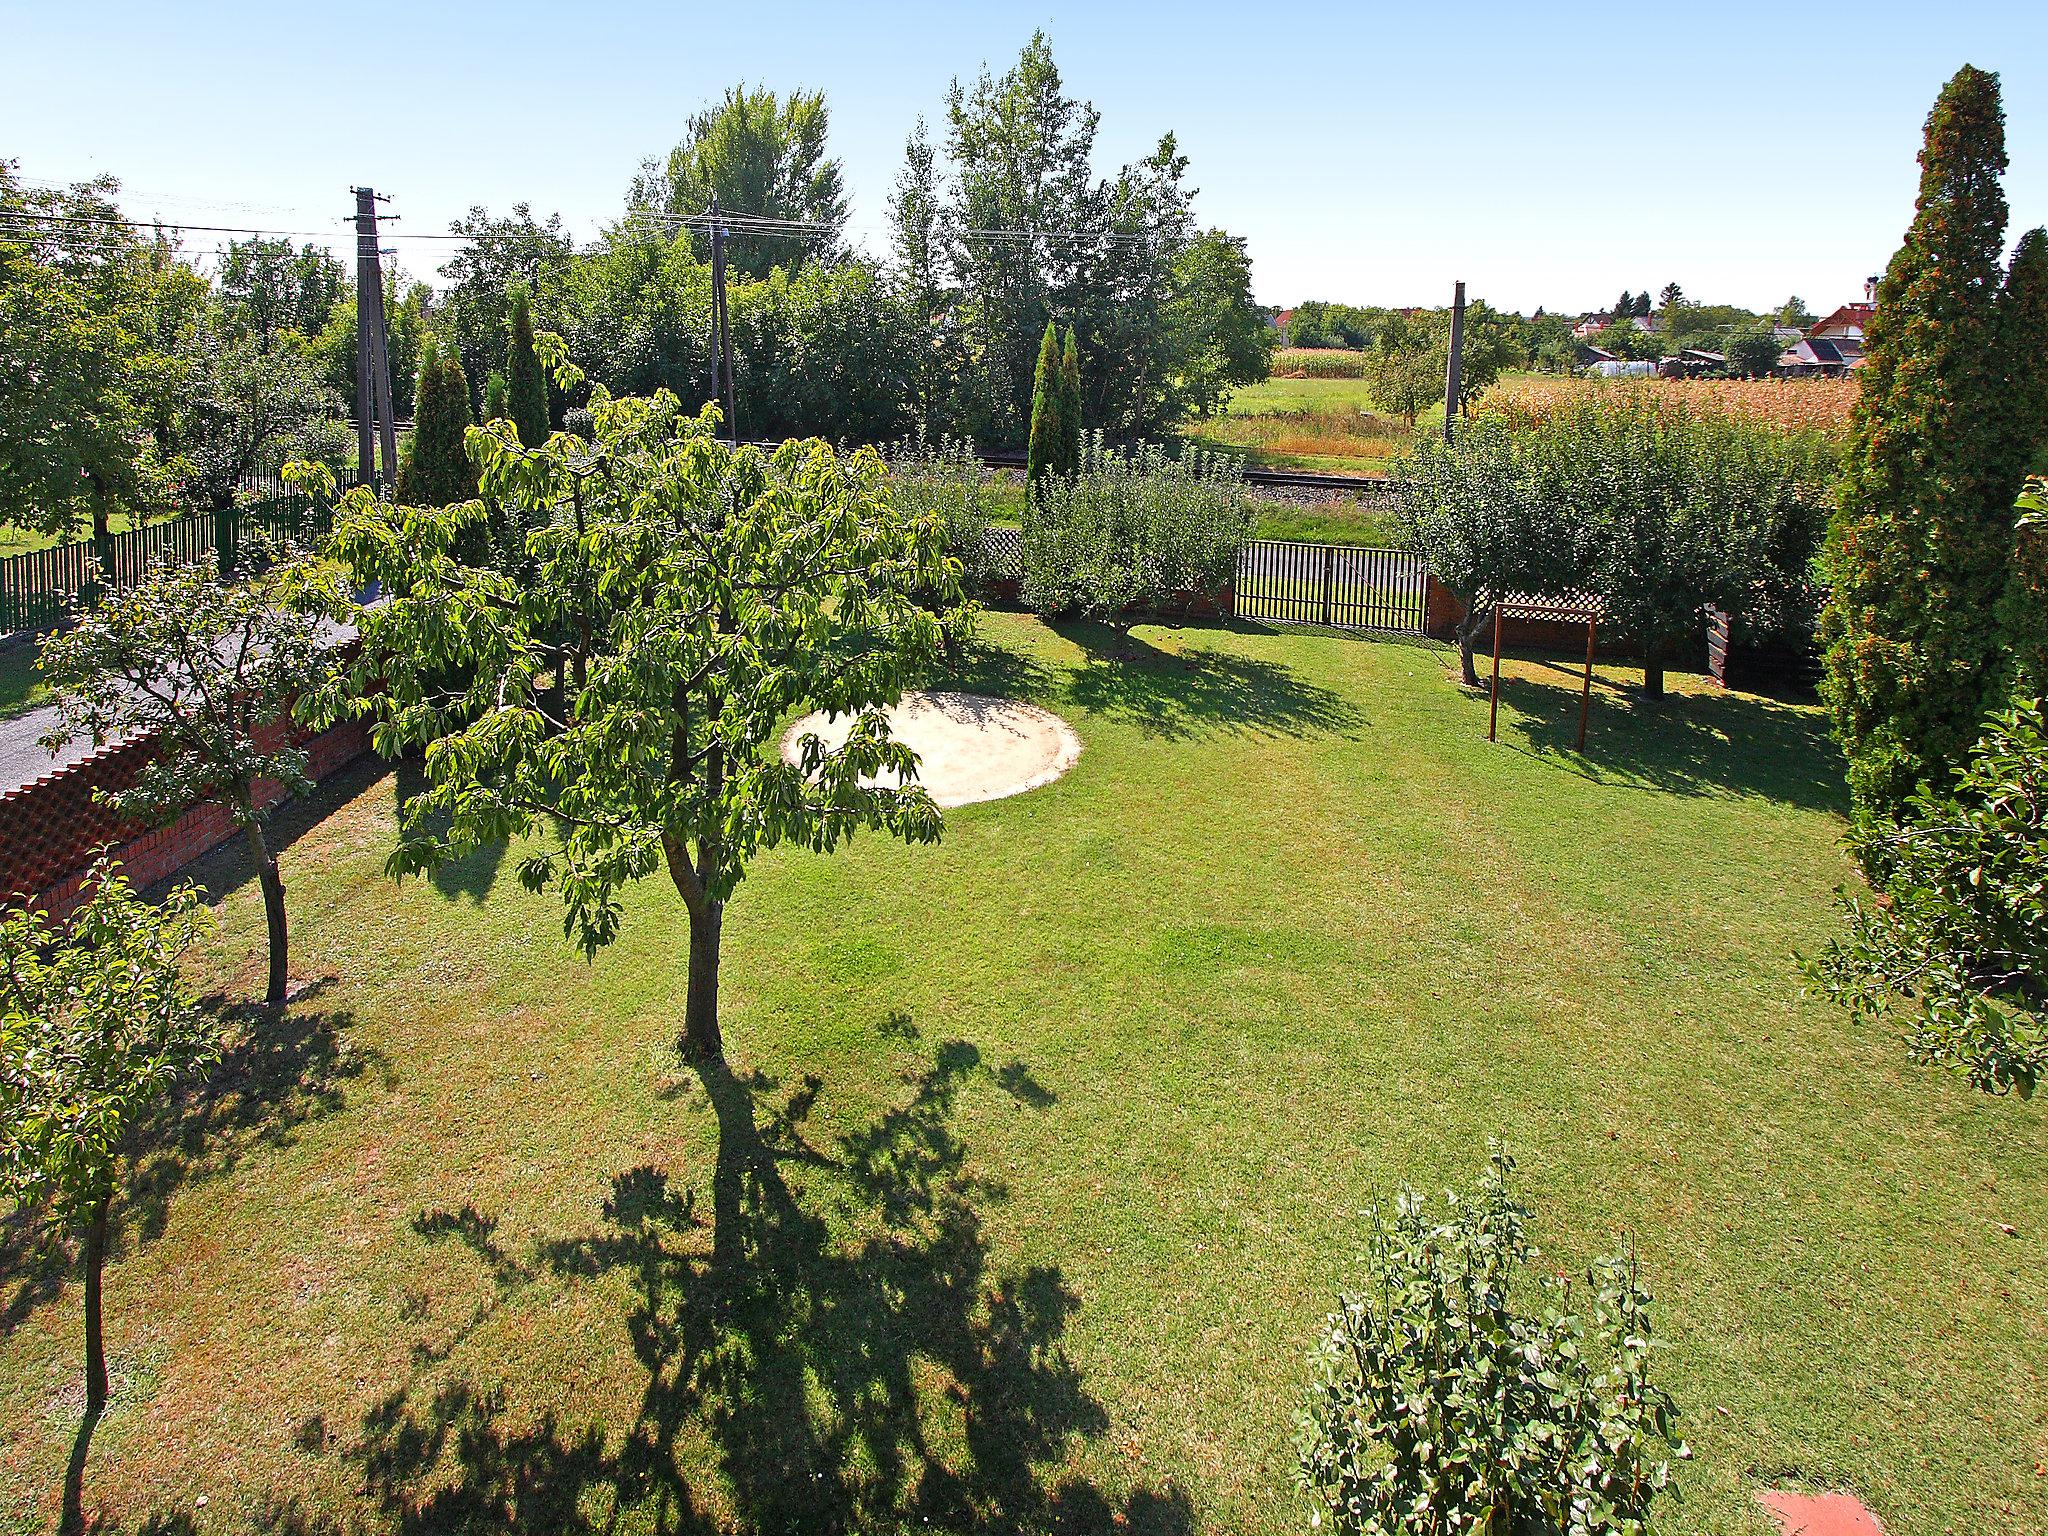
1133, 531
1441, 1407
436, 471
1042, 451
944, 478
1070, 405
526, 387
1952, 942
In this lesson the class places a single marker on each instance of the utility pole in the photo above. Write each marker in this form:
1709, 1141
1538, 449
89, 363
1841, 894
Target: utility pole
721, 321
1454, 371
373, 351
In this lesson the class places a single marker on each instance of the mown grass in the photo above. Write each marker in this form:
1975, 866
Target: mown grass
1042, 1150
17, 540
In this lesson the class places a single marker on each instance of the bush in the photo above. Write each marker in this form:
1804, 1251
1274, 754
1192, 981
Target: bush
1439, 1407
944, 478
1134, 531
1954, 939
1629, 493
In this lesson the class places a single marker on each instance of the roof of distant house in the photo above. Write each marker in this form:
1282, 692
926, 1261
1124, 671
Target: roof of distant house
1848, 317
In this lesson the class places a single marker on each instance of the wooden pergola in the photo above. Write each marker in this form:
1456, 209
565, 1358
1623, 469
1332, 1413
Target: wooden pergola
1567, 608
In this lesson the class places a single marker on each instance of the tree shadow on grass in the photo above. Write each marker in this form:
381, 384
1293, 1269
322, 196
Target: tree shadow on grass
996, 671
227, 868
1713, 743
278, 1072
1200, 691
877, 1371
475, 873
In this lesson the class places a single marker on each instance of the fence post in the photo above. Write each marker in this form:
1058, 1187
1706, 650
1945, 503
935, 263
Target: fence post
1329, 582
224, 540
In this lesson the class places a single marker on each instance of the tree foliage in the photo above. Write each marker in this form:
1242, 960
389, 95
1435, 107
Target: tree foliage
526, 387
1920, 550
1134, 532
1443, 1404
96, 1028
436, 469
86, 350
1951, 938
757, 154
1405, 367
692, 597
268, 289
210, 669
1045, 448
474, 309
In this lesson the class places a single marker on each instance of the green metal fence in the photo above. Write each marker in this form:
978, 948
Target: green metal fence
37, 588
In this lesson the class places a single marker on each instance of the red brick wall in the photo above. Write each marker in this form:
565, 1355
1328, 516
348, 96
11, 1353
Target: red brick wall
50, 830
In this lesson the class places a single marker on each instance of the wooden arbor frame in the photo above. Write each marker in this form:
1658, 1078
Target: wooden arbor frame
1569, 609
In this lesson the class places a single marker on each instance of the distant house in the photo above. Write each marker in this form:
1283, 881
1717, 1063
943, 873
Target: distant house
1592, 325
1692, 363
1846, 324
1280, 320
1822, 357
1586, 356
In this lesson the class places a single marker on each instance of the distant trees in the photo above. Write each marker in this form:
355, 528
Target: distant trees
1921, 552
89, 319
474, 311
1405, 367
1752, 350
757, 154
267, 289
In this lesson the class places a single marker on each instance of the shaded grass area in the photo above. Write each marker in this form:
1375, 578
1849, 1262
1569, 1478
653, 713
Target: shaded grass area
1040, 1152
21, 686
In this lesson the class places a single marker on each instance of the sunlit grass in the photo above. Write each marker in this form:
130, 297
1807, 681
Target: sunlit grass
1043, 1149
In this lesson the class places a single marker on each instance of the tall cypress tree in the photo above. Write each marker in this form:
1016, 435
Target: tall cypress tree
497, 397
1921, 542
1042, 453
2023, 324
1070, 405
437, 470
526, 385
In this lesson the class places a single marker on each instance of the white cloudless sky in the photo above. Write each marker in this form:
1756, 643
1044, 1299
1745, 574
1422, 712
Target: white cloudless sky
1370, 153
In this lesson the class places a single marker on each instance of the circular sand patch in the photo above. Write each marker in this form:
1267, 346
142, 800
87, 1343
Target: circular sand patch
968, 747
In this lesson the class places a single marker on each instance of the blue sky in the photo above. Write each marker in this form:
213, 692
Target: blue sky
1370, 153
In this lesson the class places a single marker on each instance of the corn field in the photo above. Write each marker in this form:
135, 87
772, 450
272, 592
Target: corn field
1797, 405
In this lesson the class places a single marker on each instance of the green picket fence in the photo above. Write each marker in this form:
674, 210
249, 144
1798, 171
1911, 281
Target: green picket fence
37, 588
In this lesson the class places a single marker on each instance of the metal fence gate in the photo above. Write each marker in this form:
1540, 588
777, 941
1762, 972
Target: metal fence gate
1341, 585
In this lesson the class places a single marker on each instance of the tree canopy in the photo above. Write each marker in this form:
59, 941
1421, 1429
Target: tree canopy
688, 597
761, 155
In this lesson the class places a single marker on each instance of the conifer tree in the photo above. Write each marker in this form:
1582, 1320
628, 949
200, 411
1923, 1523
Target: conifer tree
1921, 543
1042, 453
1070, 405
437, 471
2023, 322
527, 386
497, 397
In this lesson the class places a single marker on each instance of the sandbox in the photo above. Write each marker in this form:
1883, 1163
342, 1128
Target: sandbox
969, 747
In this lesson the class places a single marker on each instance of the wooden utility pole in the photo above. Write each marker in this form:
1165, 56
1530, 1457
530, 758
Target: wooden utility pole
721, 320
1454, 371
373, 351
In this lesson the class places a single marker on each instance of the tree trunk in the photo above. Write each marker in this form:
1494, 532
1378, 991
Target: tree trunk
701, 1038
95, 1344
273, 912
1653, 668
1470, 628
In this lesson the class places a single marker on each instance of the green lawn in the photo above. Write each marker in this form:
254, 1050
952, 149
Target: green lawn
1042, 1150
21, 686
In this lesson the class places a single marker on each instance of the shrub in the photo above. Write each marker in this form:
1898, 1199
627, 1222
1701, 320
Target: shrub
944, 478
1954, 939
1440, 1407
1132, 531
